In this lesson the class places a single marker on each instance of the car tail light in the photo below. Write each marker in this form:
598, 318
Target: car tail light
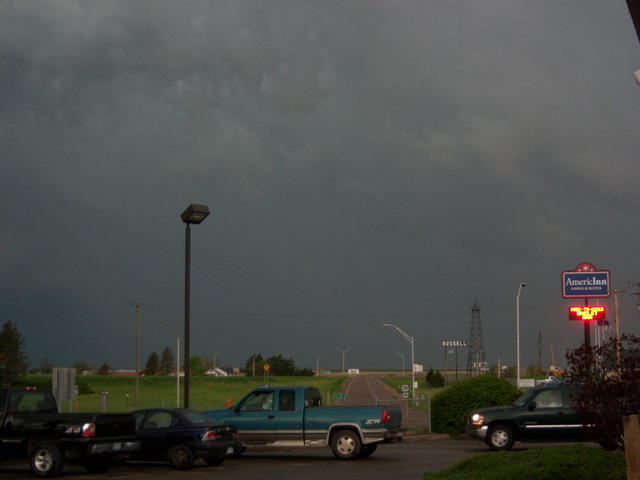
89, 430
209, 436
385, 416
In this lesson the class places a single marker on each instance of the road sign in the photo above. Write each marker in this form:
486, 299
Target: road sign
266, 367
585, 282
338, 395
404, 388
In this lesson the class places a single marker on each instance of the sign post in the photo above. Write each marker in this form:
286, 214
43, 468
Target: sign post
448, 344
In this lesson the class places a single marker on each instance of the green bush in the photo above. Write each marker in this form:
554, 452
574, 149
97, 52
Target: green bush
434, 379
450, 408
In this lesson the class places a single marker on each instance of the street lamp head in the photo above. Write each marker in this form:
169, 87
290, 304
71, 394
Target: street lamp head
523, 285
195, 214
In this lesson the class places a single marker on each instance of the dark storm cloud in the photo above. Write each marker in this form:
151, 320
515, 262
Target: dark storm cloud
365, 162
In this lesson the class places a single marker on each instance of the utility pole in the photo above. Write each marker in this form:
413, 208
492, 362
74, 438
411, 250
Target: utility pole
616, 313
637, 285
138, 306
540, 351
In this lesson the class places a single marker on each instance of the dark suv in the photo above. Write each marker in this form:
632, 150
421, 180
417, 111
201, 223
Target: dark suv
542, 414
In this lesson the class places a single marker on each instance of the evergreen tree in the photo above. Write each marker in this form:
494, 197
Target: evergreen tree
153, 364
105, 369
167, 362
13, 360
254, 361
434, 378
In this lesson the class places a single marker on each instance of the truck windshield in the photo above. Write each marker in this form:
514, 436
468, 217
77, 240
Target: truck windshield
524, 398
257, 401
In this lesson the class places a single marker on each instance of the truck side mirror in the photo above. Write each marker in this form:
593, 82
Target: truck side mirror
532, 406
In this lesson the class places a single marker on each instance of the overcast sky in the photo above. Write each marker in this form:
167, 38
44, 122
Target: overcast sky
365, 162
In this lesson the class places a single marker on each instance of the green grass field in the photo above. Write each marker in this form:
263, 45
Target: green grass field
205, 392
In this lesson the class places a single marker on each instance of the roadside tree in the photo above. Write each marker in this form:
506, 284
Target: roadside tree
105, 369
167, 362
84, 368
609, 376
13, 360
152, 366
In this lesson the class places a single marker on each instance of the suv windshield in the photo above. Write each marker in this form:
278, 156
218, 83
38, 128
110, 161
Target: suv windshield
524, 398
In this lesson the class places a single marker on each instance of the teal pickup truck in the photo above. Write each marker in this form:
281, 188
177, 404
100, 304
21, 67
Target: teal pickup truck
295, 417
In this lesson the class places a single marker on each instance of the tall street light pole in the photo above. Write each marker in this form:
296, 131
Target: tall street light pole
343, 352
520, 287
177, 362
413, 362
193, 214
138, 306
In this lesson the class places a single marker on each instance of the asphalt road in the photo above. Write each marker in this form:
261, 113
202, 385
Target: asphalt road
370, 390
406, 460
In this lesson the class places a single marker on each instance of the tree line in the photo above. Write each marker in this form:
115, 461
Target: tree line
15, 363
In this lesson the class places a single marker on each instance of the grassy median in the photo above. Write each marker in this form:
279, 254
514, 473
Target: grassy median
573, 462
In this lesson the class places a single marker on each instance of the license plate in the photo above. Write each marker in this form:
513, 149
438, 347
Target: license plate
229, 450
116, 447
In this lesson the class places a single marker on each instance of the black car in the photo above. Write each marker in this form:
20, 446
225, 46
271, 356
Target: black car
180, 436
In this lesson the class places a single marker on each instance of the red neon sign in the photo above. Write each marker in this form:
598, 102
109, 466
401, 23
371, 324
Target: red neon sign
587, 313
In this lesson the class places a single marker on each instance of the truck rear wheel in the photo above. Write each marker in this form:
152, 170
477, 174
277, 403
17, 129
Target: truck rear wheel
346, 445
47, 460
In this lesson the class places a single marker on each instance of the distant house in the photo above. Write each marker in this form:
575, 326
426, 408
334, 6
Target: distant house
127, 373
216, 372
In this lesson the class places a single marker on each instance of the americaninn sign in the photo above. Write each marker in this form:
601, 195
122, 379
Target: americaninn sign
585, 282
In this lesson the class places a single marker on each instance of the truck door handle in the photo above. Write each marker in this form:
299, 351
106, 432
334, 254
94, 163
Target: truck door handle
271, 417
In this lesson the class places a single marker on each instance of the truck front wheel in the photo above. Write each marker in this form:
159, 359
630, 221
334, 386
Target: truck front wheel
346, 445
500, 437
47, 460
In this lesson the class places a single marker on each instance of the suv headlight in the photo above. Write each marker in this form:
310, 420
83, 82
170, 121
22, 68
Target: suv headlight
477, 420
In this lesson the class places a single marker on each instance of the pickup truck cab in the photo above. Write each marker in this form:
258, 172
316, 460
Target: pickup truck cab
31, 428
294, 416
542, 414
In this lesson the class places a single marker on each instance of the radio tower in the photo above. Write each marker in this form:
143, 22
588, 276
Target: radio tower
477, 361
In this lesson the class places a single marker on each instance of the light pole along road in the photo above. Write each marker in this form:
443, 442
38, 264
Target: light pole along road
413, 362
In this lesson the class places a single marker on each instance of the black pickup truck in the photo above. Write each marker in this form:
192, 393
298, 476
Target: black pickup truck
31, 428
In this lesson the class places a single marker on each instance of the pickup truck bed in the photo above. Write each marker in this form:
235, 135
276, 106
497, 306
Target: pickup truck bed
32, 429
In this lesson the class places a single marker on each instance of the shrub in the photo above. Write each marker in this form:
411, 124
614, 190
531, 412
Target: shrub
434, 379
450, 408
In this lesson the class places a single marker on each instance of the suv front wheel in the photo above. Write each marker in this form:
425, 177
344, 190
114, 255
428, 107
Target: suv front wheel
500, 437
